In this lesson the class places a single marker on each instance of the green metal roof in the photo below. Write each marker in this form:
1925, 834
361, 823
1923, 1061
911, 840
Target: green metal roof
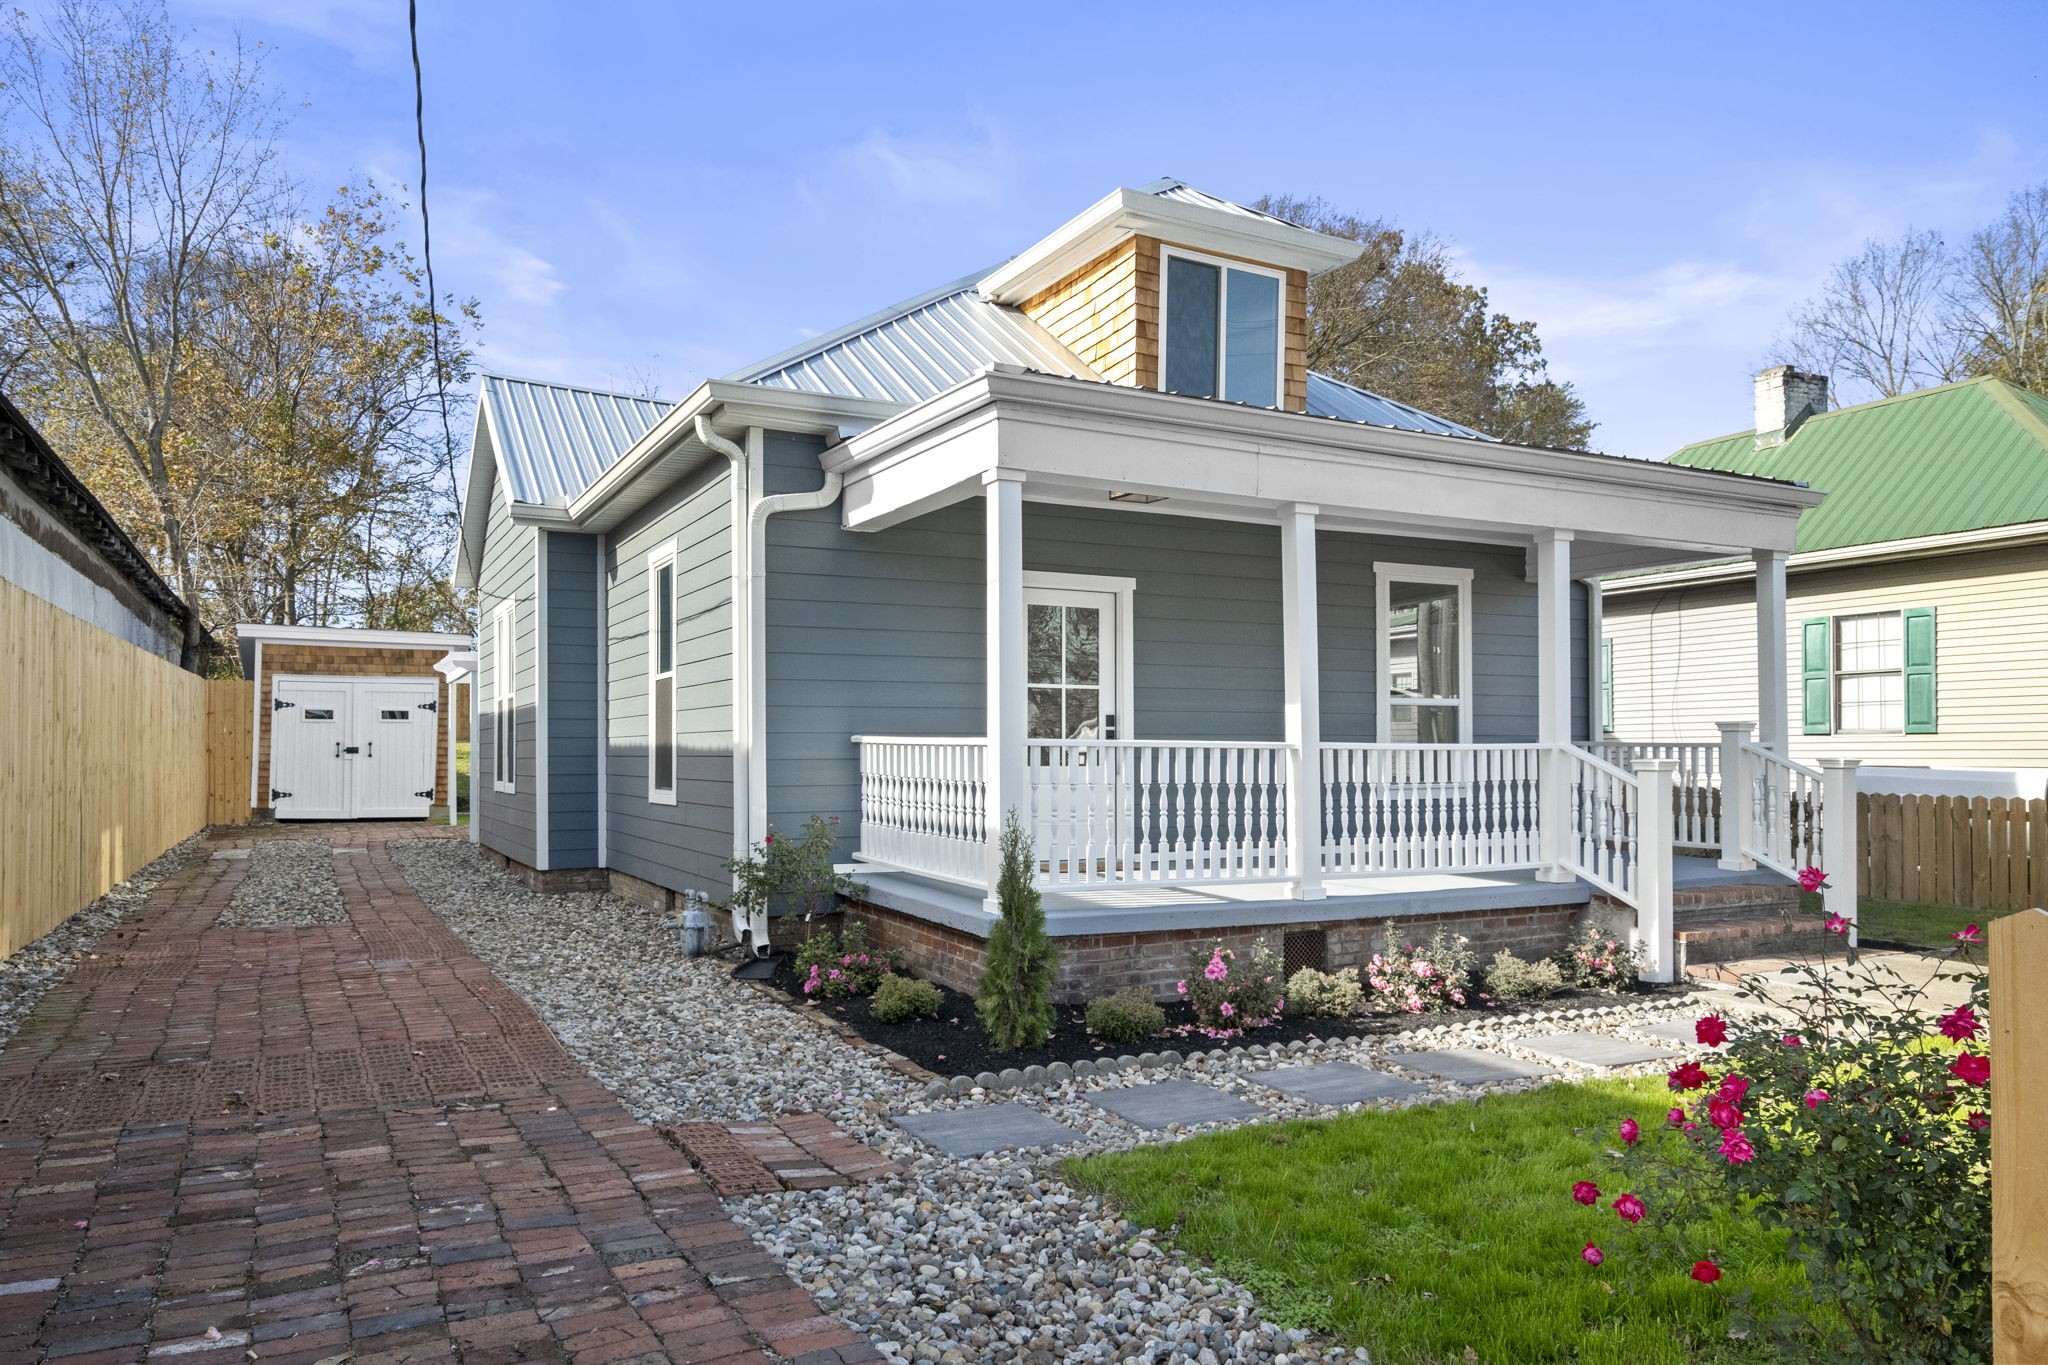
1961, 457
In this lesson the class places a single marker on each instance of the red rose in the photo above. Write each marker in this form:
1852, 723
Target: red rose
1723, 1115
1972, 1067
1629, 1208
1687, 1076
1712, 1030
1733, 1088
1706, 1272
1586, 1192
1961, 1024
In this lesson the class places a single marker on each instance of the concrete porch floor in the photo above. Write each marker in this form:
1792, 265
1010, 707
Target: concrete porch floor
1112, 910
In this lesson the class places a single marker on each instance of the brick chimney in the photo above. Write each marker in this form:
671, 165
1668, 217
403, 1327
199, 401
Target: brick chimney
1785, 397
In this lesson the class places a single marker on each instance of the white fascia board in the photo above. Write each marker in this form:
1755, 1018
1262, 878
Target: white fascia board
1841, 557
346, 637
1101, 436
1126, 213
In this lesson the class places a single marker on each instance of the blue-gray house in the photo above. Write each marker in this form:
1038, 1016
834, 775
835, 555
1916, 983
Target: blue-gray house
1247, 649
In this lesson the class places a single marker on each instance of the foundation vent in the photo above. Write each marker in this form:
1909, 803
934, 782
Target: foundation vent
1304, 948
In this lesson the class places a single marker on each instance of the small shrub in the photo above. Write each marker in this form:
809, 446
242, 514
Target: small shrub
1014, 1000
1511, 978
833, 965
1600, 962
1324, 995
1229, 996
900, 999
1406, 979
1128, 1016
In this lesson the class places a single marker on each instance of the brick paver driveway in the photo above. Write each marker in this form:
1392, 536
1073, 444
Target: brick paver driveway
347, 1142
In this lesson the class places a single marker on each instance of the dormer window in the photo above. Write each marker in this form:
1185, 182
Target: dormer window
1220, 321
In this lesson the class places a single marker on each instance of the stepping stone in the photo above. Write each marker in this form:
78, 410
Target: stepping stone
1467, 1067
231, 853
984, 1129
1677, 1031
1594, 1049
1174, 1104
1337, 1083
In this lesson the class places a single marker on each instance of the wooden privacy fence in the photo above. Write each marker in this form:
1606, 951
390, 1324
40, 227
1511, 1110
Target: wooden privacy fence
105, 761
1972, 852
2019, 1159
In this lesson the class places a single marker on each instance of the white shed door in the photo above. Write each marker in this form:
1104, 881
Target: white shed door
394, 773
352, 748
310, 720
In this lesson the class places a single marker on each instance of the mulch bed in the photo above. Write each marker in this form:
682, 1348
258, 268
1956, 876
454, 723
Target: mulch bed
952, 1043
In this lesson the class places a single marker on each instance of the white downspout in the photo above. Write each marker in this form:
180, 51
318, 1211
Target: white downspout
750, 710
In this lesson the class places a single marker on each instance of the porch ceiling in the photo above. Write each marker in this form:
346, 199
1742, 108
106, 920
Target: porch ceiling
1080, 442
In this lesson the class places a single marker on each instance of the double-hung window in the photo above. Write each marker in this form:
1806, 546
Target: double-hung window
1868, 673
661, 672
1425, 654
1221, 324
505, 697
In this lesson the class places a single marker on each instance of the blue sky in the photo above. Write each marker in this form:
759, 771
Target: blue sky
669, 190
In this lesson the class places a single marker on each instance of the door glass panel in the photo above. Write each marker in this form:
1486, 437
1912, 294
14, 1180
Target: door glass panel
1084, 713
1251, 356
1423, 640
1084, 645
320, 713
1043, 643
1192, 289
394, 715
1045, 720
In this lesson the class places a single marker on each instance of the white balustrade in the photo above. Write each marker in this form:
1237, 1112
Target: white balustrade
924, 804
1603, 829
1696, 798
1114, 812
1784, 832
1430, 808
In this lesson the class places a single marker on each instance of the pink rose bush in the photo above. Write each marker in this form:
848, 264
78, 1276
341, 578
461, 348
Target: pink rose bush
1405, 979
1862, 1133
1228, 994
834, 965
1601, 962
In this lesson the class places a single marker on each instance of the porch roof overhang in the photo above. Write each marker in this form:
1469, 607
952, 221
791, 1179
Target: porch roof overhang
1080, 443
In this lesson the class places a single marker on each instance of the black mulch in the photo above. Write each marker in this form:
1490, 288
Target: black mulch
952, 1043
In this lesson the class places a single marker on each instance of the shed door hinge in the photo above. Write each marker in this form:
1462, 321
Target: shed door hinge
428, 706
277, 796
428, 793
277, 705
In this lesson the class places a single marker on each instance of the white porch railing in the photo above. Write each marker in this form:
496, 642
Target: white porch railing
1784, 826
1696, 794
1603, 829
1430, 808
1116, 812
924, 803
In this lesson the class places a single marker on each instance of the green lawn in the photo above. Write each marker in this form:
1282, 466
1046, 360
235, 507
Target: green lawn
1916, 926
1426, 1231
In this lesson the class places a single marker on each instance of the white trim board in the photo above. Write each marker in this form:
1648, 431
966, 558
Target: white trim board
346, 637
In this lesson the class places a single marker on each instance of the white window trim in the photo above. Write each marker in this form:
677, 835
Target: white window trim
1836, 672
504, 695
1383, 575
1226, 265
1125, 590
657, 557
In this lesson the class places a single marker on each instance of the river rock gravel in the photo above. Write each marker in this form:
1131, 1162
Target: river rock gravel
35, 967
290, 885
992, 1258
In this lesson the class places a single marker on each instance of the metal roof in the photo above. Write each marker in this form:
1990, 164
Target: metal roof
1960, 457
1183, 193
917, 349
1329, 397
552, 441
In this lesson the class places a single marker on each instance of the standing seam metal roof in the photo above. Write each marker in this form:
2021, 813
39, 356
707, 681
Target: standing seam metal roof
552, 441
1959, 457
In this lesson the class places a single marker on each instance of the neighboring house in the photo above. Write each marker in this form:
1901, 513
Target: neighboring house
1916, 623
58, 543
1249, 650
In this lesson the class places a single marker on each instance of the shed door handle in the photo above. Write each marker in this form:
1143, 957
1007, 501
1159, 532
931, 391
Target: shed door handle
351, 749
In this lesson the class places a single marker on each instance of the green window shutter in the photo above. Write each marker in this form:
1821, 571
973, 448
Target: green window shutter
1920, 709
1816, 659
1606, 685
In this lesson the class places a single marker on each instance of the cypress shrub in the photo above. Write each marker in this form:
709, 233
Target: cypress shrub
1015, 997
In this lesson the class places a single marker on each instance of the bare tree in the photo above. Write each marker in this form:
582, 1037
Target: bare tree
128, 166
2002, 303
1882, 321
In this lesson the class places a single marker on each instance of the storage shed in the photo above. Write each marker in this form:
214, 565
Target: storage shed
349, 724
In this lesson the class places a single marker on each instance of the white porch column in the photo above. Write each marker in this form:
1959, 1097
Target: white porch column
1003, 491
1553, 555
1737, 792
1774, 726
1654, 928
1303, 683
1841, 844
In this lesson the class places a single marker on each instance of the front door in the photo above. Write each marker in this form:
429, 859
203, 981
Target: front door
1075, 698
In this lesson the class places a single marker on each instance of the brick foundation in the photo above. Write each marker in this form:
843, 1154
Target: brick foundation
552, 882
1096, 964
638, 890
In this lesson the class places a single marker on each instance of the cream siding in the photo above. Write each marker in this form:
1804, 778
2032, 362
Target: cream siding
1686, 658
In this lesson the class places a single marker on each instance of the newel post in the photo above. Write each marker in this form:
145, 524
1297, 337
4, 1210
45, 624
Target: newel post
1841, 847
1656, 778
1737, 793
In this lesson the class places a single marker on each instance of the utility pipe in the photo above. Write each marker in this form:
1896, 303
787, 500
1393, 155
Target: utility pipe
750, 720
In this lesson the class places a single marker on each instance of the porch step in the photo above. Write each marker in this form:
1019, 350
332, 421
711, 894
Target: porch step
1712, 899
1730, 932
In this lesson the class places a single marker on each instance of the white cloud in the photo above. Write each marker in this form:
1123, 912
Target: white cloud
501, 270
364, 27
942, 172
